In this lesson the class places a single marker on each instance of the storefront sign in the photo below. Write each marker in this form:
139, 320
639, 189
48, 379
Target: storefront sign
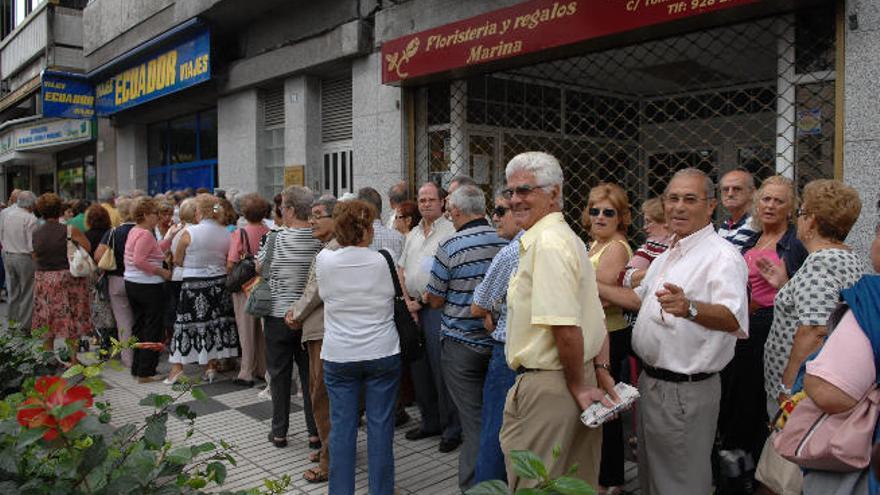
67, 97
49, 133
178, 68
529, 27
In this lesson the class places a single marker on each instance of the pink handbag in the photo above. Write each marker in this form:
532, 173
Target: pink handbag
830, 442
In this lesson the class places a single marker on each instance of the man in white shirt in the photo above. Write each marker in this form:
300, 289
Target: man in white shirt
692, 307
439, 415
17, 225
398, 193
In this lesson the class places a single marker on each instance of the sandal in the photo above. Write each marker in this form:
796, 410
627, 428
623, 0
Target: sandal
315, 456
314, 444
278, 442
315, 475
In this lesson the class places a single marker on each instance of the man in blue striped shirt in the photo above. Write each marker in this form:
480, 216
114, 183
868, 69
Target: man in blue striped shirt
459, 265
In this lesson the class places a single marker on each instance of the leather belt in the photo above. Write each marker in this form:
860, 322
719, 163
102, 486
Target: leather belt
671, 376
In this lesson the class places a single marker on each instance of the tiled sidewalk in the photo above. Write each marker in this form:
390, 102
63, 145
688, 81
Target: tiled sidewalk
238, 416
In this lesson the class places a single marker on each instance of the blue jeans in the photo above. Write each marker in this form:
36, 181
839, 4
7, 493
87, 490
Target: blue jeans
499, 379
381, 380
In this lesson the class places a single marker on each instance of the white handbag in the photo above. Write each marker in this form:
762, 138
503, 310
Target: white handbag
81, 264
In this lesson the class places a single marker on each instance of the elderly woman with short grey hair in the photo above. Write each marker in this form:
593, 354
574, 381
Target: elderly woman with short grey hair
290, 250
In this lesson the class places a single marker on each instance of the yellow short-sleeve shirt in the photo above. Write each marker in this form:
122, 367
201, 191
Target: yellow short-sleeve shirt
554, 285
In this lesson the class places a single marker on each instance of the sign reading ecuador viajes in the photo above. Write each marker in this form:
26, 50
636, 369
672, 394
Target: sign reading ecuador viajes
180, 67
529, 27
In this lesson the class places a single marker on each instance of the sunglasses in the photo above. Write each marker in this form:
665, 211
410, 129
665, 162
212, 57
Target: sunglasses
500, 211
523, 190
606, 212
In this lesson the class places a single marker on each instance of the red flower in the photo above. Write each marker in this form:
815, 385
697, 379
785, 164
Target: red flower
52, 392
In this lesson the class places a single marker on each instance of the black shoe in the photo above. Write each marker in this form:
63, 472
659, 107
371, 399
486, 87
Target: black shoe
401, 419
276, 442
417, 434
243, 383
448, 445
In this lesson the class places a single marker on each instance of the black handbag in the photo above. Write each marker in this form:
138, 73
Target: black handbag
259, 301
412, 342
244, 269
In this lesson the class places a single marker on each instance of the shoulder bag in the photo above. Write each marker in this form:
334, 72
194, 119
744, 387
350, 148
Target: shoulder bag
259, 301
78, 259
108, 259
412, 343
244, 269
842, 442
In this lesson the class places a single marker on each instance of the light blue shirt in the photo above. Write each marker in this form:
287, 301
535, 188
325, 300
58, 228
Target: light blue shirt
492, 291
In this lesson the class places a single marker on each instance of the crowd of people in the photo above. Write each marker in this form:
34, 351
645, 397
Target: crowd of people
524, 324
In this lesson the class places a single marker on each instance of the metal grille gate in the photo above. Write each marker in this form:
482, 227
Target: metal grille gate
758, 95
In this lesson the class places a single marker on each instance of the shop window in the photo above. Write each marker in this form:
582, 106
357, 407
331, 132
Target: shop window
271, 155
183, 152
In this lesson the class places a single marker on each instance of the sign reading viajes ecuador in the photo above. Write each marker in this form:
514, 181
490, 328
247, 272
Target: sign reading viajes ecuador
179, 67
67, 96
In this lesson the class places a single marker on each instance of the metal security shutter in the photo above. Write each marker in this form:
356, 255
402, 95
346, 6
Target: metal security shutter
758, 95
336, 109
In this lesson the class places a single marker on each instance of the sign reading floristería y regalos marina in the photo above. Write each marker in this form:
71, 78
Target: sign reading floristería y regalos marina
529, 27
172, 70
67, 96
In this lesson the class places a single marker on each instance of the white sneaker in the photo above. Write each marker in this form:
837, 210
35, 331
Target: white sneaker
265, 394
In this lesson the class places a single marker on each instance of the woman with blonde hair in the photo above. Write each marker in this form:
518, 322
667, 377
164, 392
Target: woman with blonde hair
607, 217
743, 419
204, 330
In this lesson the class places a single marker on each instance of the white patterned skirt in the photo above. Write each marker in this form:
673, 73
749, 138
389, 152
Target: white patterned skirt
204, 328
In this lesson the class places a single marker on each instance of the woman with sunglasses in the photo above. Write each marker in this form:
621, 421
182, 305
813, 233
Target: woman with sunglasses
607, 217
406, 216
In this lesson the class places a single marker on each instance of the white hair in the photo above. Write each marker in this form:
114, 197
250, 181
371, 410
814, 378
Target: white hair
694, 172
469, 199
544, 166
26, 199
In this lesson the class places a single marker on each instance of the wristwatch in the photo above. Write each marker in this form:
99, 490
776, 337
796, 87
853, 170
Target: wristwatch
692, 311
604, 366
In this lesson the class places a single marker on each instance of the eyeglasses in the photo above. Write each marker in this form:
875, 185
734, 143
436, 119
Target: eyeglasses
500, 211
801, 212
523, 190
318, 217
401, 217
688, 199
606, 212
424, 201
736, 189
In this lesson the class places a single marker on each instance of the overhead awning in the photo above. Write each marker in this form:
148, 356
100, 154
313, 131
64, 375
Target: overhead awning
30, 141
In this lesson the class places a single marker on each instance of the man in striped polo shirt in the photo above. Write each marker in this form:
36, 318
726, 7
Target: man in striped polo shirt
459, 266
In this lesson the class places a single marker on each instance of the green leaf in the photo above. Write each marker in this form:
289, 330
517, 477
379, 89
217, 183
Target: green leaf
557, 451
492, 487
156, 400
156, 431
7, 461
203, 448
73, 371
532, 491
566, 485
572, 470
91, 371
198, 394
217, 472
29, 436
124, 432
196, 482
528, 465
180, 455
182, 411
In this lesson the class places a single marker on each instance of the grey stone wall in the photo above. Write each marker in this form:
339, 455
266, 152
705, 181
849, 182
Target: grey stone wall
861, 167
237, 140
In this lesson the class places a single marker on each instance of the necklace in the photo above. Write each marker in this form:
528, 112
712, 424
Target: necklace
768, 242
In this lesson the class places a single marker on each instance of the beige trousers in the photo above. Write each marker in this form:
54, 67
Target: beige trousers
539, 414
250, 338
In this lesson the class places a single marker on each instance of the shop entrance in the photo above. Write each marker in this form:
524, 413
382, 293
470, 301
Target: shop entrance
757, 95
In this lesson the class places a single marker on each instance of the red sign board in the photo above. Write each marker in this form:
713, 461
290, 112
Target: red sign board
529, 27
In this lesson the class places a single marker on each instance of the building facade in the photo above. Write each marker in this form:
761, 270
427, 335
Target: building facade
339, 95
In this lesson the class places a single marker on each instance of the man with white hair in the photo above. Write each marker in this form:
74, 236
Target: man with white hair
556, 337
17, 226
107, 198
466, 346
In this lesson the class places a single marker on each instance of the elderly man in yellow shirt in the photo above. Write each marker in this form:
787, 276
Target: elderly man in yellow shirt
556, 341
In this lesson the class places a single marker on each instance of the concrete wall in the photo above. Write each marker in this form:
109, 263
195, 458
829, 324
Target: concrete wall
377, 127
862, 127
237, 138
302, 125
105, 161
419, 15
131, 157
